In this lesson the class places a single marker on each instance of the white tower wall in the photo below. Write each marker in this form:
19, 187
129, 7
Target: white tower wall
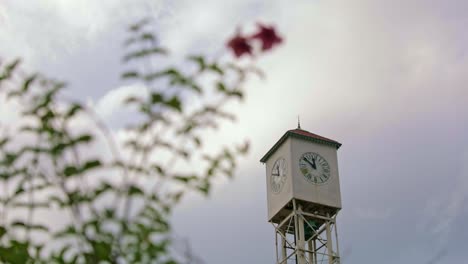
277, 201
328, 193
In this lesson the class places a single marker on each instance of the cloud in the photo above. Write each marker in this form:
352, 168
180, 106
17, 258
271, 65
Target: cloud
112, 103
442, 212
46, 30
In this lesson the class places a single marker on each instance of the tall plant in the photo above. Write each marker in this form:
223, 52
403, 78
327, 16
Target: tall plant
113, 194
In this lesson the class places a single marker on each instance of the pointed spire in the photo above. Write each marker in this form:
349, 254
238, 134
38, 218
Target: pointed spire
298, 122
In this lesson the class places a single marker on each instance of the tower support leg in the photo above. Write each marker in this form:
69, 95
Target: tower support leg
320, 245
283, 248
301, 241
329, 243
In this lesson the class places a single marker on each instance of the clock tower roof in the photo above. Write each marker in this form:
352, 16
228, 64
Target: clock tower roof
301, 134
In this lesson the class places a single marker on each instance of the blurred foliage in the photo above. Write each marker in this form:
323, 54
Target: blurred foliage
112, 203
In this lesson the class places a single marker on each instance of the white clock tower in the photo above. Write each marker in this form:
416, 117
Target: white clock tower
303, 193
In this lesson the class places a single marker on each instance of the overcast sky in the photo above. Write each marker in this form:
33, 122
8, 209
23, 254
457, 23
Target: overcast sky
387, 79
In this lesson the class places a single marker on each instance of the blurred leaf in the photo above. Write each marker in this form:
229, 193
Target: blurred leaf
144, 37
28, 82
234, 92
130, 75
36, 227
85, 138
101, 250
185, 179
167, 72
156, 98
148, 36
137, 26
75, 108
17, 253
4, 141
2, 231
9, 68
68, 231
215, 67
199, 60
132, 99
243, 149
144, 52
221, 87
91, 164
71, 170
158, 169
30, 204
175, 103
135, 190
204, 187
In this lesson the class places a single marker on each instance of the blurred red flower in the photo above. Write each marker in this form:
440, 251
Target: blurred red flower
268, 36
239, 45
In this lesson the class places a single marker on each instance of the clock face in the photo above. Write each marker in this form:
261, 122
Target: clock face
278, 175
314, 168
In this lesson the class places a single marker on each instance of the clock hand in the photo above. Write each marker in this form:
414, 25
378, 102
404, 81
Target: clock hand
311, 164
277, 174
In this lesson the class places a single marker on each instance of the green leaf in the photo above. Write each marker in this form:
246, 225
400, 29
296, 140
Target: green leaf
199, 60
234, 92
175, 103
130, 75
197, 141
215, 67
73, 170
185, 179
68, 231
137, 26
144, 52
148, 36
17, 253
221, 87
171, 72
4, 141
75, 108
92, 164
2, 231
27, 83
102, 250
132, 99
85, 138
60, 201
9, 158
204, 187
159, 169
156, 98
9, 69
29, 226
18, 224
135, 190
70, 170
103, 188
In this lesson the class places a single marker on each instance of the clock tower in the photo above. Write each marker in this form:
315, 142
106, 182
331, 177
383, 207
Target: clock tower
303, 194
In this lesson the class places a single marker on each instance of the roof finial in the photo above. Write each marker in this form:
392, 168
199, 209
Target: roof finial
298, 122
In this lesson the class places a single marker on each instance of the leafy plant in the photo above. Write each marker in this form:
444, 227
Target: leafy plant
113, 194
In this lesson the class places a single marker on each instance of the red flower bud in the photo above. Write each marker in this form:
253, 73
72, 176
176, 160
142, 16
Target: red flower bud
268, 36
239, 45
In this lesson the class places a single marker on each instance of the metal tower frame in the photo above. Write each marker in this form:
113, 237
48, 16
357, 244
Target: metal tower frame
307, 238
